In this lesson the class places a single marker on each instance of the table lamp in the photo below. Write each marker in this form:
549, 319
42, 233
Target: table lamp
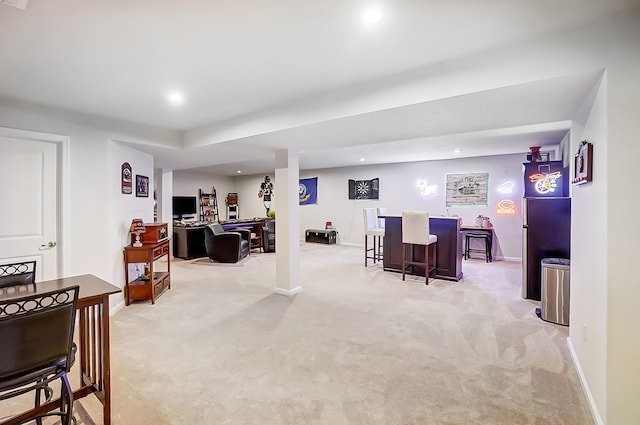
137, 227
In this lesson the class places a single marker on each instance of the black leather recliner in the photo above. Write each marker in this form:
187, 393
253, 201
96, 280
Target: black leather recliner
269, 236
226, 246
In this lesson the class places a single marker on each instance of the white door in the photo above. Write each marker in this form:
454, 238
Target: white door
29, 204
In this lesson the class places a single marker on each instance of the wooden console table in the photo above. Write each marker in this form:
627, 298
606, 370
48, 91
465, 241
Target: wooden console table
146, 289
94, 350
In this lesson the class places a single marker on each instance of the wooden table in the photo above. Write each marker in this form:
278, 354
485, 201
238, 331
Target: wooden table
467, 228
254, 225
156, 282
93, 318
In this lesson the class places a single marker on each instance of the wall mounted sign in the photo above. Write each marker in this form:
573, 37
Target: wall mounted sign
506, 187
506, 207
142, 186
364, 189
308, 191
546, 183
426, 189
546, 179
467, 189
583, 163
125, 179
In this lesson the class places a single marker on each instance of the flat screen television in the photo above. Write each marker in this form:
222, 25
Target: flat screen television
184, 206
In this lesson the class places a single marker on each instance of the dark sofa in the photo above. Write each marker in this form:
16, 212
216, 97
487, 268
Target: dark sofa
226, 246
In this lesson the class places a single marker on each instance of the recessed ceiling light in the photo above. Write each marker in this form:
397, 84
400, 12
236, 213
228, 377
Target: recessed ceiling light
175, 98
239, 171
361, 159
372, 16
457, 150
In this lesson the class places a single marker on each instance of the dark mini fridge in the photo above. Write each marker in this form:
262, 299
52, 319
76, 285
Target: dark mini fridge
546, 233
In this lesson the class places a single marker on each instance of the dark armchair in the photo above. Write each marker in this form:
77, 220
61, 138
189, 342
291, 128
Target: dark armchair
226, 246
269, 236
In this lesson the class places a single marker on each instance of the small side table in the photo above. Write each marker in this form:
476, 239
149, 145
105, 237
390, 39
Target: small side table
481, 232
139, 288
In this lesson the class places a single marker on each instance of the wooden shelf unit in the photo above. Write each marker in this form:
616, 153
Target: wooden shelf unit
140, 289
208, 206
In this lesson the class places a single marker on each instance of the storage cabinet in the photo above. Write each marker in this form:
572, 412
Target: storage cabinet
153, 282
154, 232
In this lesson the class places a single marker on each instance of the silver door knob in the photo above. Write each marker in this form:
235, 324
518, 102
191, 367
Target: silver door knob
51, 244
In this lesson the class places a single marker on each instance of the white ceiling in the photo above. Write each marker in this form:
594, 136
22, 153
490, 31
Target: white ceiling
239, 59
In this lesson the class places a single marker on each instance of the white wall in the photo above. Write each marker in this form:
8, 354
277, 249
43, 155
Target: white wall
94, 239
398, 191
588, 330
187, 184
123, 208
622, 151
248, 188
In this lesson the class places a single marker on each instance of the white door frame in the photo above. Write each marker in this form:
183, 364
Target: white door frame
62, 155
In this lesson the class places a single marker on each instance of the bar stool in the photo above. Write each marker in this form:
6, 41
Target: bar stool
468, 237
379, 212
415, 231
371, 229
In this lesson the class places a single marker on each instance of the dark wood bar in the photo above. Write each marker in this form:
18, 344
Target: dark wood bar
449, 248
188, 242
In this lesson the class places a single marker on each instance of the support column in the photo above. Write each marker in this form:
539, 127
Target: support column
288, 227
165, 206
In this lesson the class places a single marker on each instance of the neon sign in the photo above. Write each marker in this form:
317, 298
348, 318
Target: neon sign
506, 207
545, 183
506, 187
426, 189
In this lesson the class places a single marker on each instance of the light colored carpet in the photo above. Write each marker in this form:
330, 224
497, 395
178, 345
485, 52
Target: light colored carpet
357, 346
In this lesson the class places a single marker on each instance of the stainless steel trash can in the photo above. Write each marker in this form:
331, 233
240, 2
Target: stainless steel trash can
555, 293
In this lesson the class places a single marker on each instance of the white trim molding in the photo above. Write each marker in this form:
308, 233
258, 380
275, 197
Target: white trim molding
585, 386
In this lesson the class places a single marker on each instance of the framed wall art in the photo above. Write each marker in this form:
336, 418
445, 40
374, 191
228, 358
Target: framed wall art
142, 186
364, 189
126, 186
583, 163
467, 189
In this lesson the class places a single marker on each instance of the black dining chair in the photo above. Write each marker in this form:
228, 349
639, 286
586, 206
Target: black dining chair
15, 274
36, 331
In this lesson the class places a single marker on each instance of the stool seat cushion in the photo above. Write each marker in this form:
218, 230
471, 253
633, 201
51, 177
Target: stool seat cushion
374, 232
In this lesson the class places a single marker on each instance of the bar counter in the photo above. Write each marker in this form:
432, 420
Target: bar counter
449, 248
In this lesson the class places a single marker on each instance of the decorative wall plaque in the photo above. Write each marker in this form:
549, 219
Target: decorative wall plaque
583, 163
126, 178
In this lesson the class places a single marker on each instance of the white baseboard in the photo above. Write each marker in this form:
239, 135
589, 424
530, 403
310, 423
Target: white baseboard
585, 386
359, 245
115, 308
287, 292
512, 259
